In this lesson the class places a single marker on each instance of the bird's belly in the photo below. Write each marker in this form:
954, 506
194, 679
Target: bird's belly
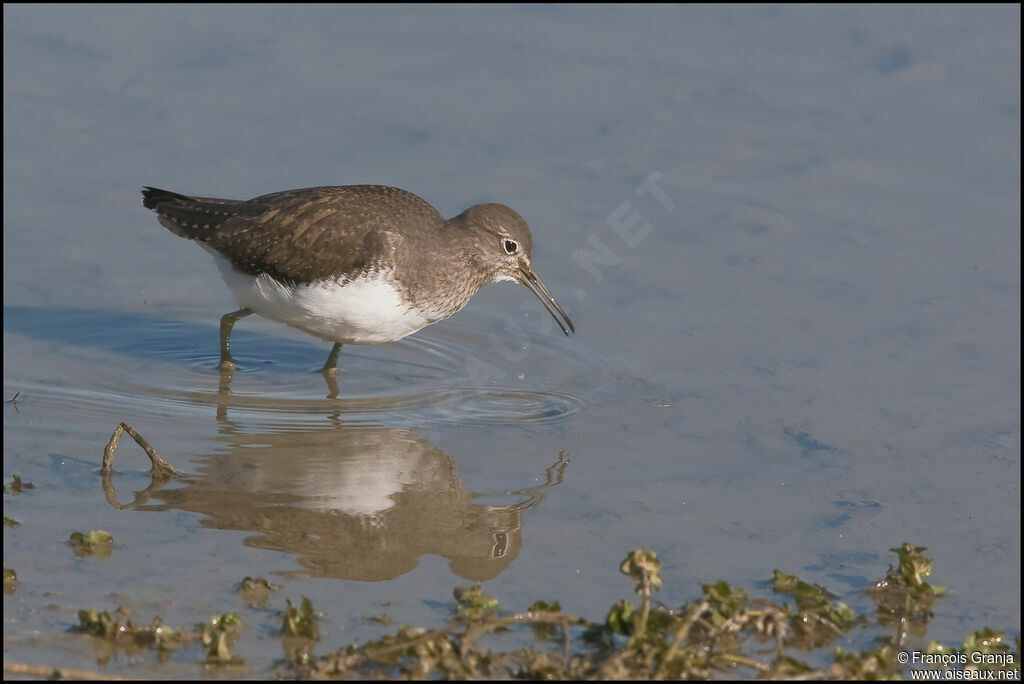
367, 310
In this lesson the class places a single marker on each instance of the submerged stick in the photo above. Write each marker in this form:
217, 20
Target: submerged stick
49, 672
161, 468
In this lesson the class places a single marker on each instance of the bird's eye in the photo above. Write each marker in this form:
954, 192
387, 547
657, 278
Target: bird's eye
510, 246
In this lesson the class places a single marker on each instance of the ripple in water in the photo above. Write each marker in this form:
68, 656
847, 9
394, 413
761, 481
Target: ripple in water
457, 375
467, 372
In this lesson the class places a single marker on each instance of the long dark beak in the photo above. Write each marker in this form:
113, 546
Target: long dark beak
531, 280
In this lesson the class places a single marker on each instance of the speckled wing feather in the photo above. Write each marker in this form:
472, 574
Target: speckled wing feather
298, 235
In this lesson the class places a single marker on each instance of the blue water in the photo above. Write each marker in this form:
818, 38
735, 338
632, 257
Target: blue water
789, 238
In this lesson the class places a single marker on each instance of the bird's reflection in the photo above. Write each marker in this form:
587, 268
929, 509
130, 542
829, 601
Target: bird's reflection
351, 502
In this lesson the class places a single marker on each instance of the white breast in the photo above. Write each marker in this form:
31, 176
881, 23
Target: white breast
367, 310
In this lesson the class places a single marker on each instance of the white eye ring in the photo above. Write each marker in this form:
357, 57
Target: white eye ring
511, 247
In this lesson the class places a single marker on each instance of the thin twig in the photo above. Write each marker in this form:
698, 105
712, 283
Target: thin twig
681, 635
737, 659
479, 629
831, 672
49, 672
160, 469
565, 642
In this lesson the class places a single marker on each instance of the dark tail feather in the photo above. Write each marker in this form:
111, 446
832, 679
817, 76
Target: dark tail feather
154, 197
196, 218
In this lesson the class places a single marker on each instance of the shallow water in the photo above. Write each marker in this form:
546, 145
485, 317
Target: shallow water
792, 262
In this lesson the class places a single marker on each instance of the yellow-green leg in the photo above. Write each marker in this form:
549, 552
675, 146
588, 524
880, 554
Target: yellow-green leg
331, 365
227, 322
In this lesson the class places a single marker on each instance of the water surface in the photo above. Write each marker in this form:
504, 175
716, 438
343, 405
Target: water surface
789, 238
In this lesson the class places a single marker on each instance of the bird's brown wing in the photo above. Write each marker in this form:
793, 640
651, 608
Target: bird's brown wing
298, 235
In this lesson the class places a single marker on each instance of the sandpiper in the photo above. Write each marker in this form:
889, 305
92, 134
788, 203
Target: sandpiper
352, 264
